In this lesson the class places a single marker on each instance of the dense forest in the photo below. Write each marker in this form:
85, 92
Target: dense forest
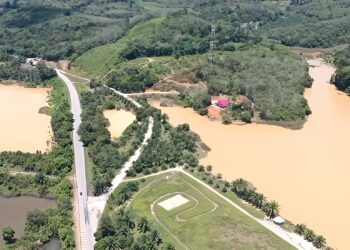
66, 29
61, 29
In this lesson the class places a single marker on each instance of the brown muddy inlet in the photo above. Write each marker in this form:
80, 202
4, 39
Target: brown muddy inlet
119, 120
22, 127
307, 171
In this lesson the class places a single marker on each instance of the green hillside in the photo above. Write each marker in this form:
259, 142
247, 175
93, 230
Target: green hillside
99, 60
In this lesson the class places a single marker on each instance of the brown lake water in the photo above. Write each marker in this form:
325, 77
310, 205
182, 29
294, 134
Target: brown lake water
307, 171
119, 120
22, 127
13, 212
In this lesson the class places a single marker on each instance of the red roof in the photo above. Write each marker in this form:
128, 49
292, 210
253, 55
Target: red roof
223, 103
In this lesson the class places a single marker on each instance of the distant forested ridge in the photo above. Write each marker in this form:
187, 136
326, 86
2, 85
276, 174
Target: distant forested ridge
66, 29
62, 29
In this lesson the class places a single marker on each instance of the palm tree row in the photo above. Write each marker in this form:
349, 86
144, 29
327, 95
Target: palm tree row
244, 190
317, 240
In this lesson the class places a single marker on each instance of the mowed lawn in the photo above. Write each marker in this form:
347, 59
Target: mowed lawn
205, 222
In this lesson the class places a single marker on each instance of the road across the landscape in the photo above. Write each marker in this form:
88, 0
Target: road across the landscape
97, 204
86, 242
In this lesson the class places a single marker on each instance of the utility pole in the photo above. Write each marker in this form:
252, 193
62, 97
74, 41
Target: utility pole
212, 44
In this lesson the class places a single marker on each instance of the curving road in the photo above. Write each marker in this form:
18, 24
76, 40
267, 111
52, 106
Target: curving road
79, 162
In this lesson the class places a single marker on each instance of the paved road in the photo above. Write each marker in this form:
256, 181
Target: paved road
79, 160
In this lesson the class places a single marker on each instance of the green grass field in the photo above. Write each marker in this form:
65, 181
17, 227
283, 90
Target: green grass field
205, 222
98, 61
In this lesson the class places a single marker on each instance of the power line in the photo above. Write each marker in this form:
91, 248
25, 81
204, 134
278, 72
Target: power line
212, 43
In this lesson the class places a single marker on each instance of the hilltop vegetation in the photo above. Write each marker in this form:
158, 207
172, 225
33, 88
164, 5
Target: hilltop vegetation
99, 60
66, 29
247, 62
270, 76
312, 23
63, 29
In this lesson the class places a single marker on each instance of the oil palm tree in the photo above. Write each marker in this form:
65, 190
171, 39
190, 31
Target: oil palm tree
271, 209
300, 229
143, 225
155, 236
319, 241
309, 235
239, 186
259, 200
111, 243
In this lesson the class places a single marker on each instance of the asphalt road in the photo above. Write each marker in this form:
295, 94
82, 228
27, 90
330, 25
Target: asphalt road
79, 161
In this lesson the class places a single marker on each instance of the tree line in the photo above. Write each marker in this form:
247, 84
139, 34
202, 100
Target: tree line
342, 75
247, 192
33, 76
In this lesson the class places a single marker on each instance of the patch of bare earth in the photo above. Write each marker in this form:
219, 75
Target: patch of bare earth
171, 82
214, 113
241, 238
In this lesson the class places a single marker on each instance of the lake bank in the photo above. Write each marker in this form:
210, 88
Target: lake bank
290, 166
23, 128
14, 211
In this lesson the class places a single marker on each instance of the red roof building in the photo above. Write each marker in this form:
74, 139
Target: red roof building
223, 103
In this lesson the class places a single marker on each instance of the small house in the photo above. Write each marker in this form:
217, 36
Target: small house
223, 103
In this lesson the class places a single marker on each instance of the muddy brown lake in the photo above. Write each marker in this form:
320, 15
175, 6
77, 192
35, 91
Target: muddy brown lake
307, 171
119, 120
13, 212
22, 127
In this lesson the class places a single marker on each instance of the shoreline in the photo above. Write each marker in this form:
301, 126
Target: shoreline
290, 158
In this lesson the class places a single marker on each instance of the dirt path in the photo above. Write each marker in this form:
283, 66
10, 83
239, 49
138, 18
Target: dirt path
13, 173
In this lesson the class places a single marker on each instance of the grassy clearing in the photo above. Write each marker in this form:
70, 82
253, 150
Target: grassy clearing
156, 8
202, 226
99, 60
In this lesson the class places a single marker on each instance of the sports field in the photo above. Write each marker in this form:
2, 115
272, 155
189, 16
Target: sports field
190, 216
